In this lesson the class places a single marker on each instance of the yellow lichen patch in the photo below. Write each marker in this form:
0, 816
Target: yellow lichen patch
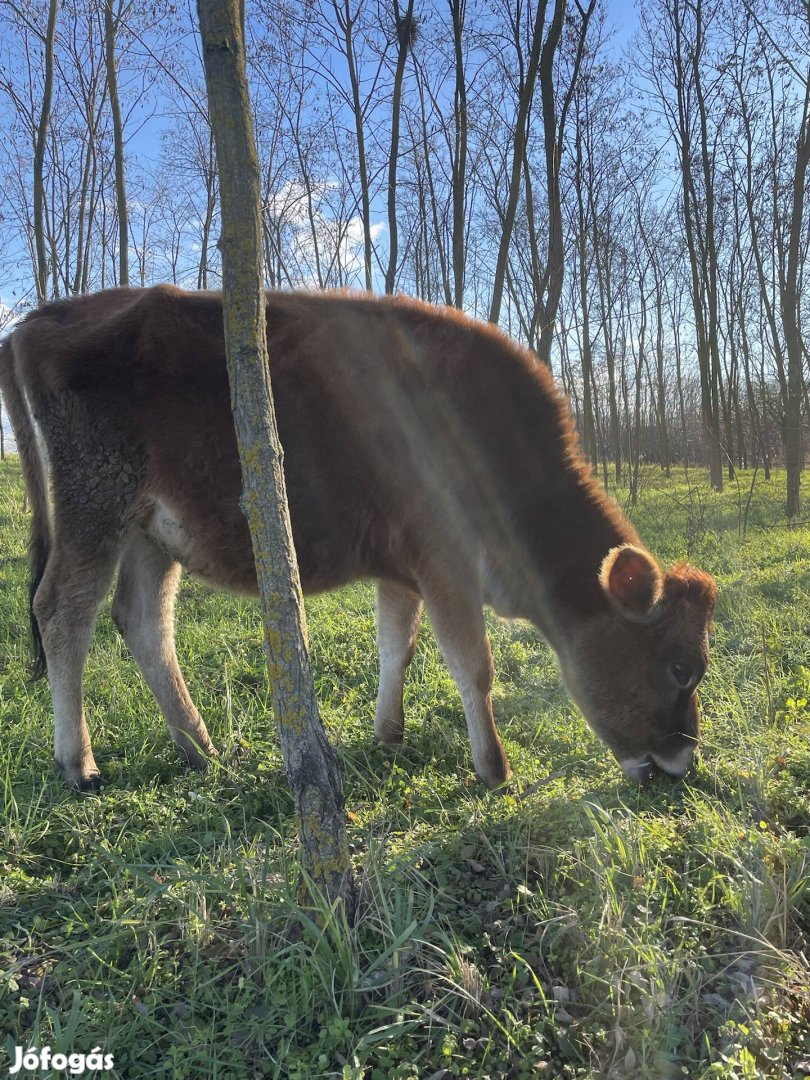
291, 719
273, 641
327, 854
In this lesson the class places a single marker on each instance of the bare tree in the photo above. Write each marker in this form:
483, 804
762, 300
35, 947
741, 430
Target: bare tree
346, 19
528, 69
554, 122
789, 290
459, 165
110, 25
406, 33
677, 47
39, 155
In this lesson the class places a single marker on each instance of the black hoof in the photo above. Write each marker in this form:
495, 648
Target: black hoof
91, 782
505, 787
393, 737
195, 758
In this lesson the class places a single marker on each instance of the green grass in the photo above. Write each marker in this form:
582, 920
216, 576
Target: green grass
578, 927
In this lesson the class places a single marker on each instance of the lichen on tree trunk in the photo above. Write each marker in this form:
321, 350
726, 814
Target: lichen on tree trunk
311, 763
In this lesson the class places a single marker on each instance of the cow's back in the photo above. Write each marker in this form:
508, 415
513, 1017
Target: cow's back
410, 433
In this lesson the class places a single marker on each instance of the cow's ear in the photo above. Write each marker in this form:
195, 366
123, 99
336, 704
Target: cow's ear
631, 580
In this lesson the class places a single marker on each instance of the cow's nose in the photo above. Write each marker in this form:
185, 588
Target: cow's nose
638, 769
676, 764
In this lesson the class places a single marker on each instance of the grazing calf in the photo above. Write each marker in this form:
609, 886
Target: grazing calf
422, 449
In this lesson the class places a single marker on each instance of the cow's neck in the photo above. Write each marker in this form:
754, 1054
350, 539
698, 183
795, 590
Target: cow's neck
549, 573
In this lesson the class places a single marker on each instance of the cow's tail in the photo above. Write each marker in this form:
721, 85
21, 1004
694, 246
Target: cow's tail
36, 486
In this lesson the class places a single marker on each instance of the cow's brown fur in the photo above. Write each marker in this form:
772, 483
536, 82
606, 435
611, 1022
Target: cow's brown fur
422, 449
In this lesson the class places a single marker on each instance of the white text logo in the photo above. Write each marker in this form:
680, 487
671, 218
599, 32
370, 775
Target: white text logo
34, 1060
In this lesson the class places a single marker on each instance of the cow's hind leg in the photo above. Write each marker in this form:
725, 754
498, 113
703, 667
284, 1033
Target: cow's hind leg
143, 610
458, 622
399, 615
66, 605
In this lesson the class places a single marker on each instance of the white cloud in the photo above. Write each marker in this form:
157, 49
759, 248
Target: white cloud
338, 243
9, 315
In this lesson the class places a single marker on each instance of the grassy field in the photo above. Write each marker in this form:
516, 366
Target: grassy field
577, 927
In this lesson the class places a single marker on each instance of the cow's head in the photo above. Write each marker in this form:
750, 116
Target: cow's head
633, 670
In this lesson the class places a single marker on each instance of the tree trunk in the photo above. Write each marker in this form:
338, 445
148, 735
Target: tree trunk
39, 156
311, 763
519, 140
602, 256
790, 318
554, 122
457, 12
346, 23
660, 382
118, 143
405, 29
635, 436
438, 238
210, 201
698, 217
588, 428
711, 271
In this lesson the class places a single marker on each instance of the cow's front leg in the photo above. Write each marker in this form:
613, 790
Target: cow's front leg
458, 622
399, 616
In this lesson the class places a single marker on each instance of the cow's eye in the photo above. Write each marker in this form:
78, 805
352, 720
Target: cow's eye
682, 674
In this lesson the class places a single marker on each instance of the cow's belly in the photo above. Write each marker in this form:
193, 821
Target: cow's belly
217, 550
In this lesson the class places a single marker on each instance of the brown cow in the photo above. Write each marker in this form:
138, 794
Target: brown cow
422, 449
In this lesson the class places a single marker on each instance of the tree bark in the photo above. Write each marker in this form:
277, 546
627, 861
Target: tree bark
790, 318
687, 55
716, 449
519, 141
459, 164
660, 381
311, 763
346, 23
39, 156
405, 29
438, 238
790, 303
118, 143
602, 242
588, 428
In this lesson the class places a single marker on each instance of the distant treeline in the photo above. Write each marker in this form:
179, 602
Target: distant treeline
631, 207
